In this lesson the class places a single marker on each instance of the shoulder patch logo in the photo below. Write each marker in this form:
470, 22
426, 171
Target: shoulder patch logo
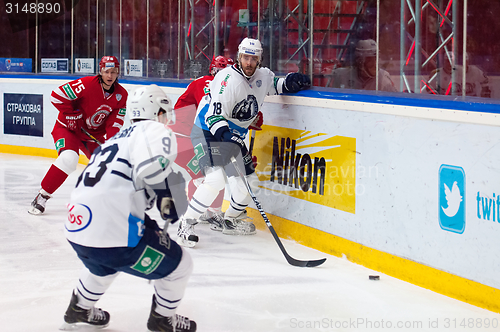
118, 97
122, 111
69, 91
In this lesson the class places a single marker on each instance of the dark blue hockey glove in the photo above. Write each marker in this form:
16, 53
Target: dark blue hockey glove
294, 82
229, 137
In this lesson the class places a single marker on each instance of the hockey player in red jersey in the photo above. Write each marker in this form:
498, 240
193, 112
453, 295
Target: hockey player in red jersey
92, 104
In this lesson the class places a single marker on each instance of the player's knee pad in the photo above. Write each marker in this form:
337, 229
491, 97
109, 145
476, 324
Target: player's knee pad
67, 161
215, 178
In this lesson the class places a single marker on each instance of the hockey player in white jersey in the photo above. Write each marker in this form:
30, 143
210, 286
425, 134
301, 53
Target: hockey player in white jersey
107, 224
236, 94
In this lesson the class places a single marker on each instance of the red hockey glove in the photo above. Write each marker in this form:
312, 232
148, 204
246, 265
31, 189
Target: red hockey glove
258, 122
74, 121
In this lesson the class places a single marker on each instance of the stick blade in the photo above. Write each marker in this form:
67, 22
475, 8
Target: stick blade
316, 262
299, 263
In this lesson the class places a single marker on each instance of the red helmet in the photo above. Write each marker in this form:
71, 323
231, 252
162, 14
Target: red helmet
218, 63
108, 62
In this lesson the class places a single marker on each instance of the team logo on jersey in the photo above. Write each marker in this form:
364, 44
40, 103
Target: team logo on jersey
246, 109
79, 217
60, 143
194, 164
258, 83
122, 111
98, 118
224, 83
118, 97
149, 260
163, 162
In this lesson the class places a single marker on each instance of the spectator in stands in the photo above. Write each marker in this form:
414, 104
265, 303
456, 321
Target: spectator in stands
477, 84
362, 75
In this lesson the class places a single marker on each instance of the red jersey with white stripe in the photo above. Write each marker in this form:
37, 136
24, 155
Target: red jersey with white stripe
103, 112
184, 115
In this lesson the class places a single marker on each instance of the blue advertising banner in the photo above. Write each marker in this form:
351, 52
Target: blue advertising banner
23, 114
16, 65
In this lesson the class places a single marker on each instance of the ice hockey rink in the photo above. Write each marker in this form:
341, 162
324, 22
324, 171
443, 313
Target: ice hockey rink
238, 283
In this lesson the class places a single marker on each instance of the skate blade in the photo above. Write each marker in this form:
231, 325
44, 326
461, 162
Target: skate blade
186, 243
80, 326
238, 232
34, 211
216, 228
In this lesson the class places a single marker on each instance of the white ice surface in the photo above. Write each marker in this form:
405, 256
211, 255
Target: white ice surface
238, 284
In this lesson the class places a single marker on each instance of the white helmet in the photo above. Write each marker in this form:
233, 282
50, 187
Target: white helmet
146, 102
366, 48
251, 47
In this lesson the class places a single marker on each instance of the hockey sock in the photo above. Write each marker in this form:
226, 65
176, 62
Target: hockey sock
234, 209
53, 179
90, 288
239, 198
217, 203
64, 165
170, 289
206, 193
202, 199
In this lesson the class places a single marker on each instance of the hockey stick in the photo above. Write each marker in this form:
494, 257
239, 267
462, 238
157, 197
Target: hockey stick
90, 136
291, 260
252, 140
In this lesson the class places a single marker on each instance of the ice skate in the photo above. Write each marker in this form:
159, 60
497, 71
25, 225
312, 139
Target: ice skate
38, 204
238, 225
177, 323
215, 219
75, 316
186, 235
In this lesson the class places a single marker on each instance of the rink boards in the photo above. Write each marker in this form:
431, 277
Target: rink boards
409, 187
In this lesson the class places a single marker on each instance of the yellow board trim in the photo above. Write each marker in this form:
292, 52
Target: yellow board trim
416, 273
38, 152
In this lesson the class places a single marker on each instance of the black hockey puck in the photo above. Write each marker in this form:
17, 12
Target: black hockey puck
374, 277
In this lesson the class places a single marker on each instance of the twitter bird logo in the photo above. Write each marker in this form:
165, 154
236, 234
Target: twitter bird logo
452, 202
453, 198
